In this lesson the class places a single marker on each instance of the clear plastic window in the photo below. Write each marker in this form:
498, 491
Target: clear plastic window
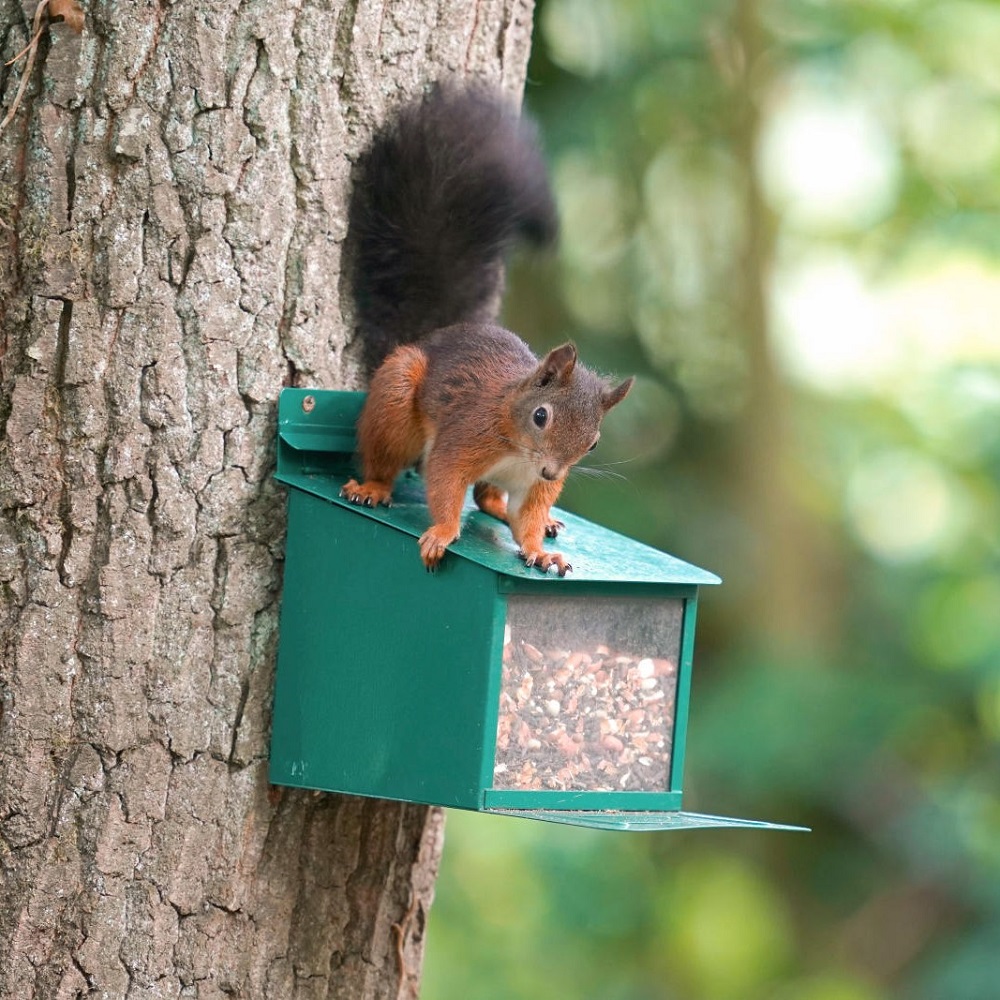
588, 695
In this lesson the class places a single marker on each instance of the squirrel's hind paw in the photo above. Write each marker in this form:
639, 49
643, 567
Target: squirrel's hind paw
553, 527
368, 494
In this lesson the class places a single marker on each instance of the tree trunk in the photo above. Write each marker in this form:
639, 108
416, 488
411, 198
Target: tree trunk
172, 209
790, 585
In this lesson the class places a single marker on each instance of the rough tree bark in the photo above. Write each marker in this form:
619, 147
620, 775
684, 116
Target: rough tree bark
172, 192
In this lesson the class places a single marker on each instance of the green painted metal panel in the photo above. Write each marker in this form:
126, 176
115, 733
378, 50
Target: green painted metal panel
311, 420
539, 585
684, 672
491, 707
381, 677
495, 799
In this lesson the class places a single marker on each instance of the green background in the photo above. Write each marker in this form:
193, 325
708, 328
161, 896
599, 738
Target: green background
782, 216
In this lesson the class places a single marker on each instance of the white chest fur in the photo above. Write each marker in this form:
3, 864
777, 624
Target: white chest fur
515, 474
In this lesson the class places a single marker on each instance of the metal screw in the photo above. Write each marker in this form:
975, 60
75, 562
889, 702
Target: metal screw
308, 403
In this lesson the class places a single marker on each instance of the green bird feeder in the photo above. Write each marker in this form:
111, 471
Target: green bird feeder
485, 685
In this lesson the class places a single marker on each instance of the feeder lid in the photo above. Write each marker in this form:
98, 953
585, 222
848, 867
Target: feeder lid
316, 445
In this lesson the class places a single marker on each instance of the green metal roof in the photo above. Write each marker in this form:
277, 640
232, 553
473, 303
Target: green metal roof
316, 442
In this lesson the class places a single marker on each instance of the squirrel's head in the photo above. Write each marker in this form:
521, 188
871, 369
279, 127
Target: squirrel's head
559, 410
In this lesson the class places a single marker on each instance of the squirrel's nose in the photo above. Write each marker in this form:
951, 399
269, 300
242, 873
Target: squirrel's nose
548, 475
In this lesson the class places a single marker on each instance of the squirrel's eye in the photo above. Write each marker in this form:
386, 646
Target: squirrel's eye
540, 416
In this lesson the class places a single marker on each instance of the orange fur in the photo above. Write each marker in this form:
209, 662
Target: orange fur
530, 524
392, 431
493, 501
490, 500
479, 409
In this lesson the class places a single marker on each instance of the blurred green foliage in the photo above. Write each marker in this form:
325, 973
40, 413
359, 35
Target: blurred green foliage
782, 216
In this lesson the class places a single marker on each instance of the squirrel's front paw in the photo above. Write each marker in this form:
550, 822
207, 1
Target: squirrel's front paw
369, 494
553, 527
543, 560
433, 543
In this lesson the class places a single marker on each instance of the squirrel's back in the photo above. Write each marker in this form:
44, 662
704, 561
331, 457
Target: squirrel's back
441, 194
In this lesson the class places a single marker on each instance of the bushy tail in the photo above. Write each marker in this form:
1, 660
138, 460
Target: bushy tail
445, 189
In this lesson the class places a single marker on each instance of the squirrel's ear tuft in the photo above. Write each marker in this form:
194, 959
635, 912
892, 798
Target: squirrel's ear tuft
612, 397
556, 366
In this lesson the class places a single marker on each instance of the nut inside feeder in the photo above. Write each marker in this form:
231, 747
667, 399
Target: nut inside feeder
588, 694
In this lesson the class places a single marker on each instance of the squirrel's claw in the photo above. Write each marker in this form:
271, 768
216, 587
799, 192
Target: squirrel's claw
552, 528
545, 560
433, 544
366, 494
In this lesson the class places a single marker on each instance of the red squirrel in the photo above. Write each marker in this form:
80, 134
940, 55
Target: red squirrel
446, 187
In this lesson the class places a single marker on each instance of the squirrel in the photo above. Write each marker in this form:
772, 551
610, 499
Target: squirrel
439, 196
